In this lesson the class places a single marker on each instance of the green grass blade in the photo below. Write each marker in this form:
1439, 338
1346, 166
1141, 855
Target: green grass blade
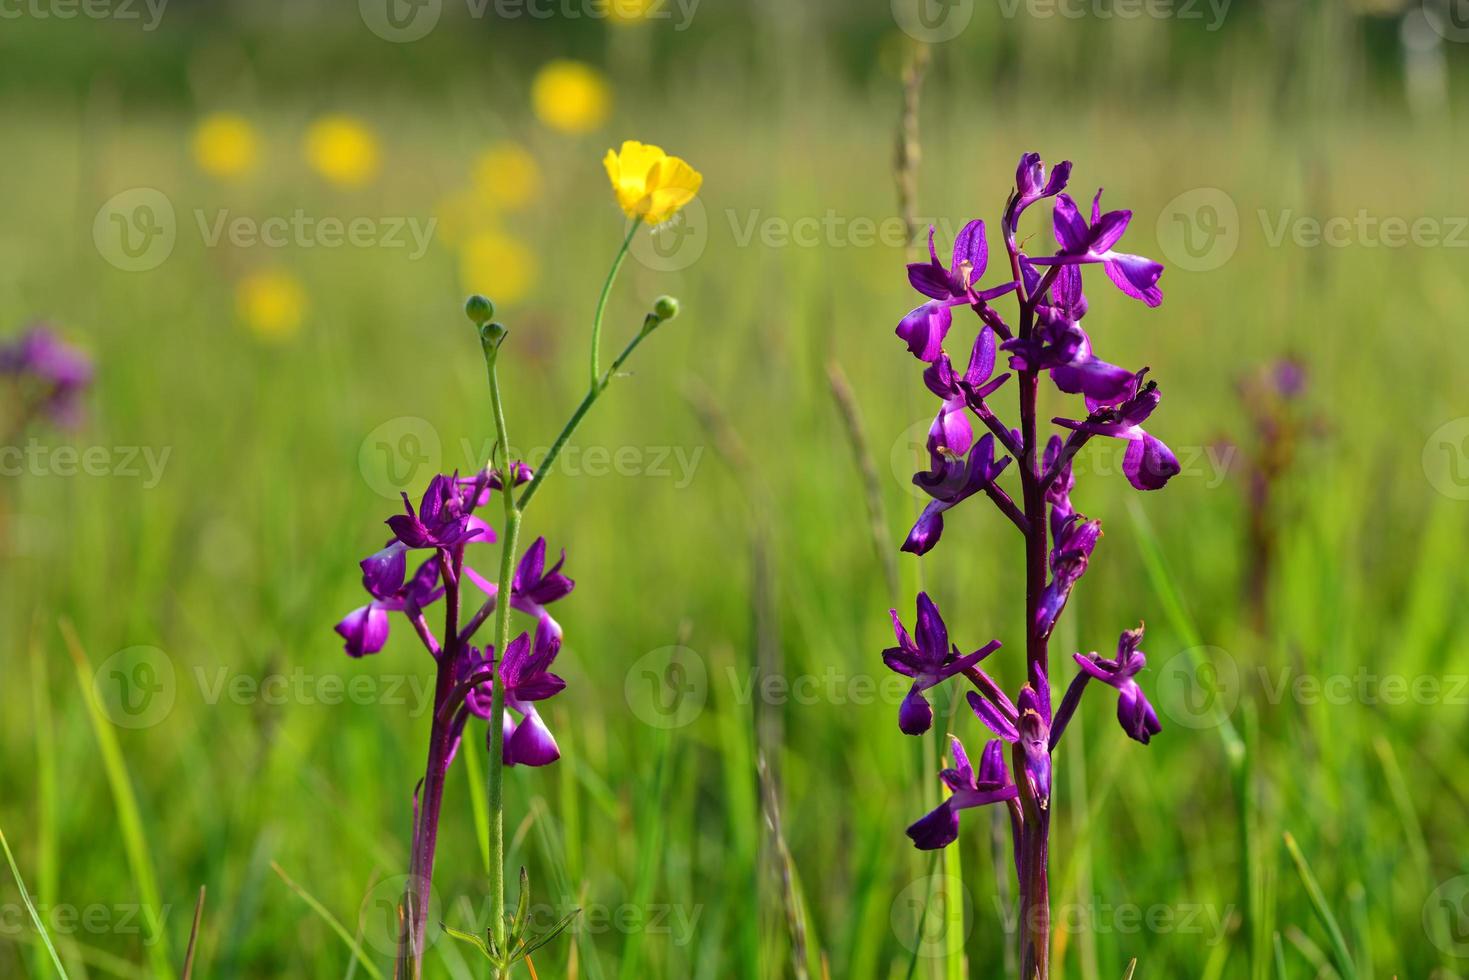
332, 921
1343, 956
25, 897
135, 840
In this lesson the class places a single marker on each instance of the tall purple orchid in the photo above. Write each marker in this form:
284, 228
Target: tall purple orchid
1046, 338
504, 680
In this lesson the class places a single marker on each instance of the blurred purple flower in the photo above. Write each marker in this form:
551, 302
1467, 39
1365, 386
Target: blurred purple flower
58, 372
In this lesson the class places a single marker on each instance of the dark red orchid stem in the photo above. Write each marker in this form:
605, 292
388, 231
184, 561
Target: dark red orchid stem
1035, 905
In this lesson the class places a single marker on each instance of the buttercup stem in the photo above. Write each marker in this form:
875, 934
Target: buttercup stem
602, 300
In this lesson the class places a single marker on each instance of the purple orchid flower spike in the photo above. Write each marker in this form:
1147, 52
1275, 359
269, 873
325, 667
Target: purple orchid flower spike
1085, 243
1148, 463
1136, 715
952, 481
969, 789
930, 662
924, 328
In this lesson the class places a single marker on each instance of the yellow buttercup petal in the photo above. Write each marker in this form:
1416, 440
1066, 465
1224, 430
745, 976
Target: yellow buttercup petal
343, 150
272, 304
571, 96
225, 146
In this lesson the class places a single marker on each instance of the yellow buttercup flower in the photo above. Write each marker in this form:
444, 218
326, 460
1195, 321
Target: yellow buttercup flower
272, 304
570, 96
494, 264
342, 150
649, 183
225, 146
507, 176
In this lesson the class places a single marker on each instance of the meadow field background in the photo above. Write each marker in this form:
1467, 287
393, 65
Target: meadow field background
177, 712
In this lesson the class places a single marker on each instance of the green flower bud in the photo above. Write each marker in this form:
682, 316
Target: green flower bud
665, 307
479, 309
492, 335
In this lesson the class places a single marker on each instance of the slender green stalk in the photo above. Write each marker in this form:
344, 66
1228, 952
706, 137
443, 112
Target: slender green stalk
502, 641
602, 301
25, 897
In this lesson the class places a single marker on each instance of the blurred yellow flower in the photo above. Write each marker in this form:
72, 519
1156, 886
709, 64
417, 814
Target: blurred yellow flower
271, 304
460, 213
342, 150
506, 175
630, 11
649, 183
571, 96
225, 146
494, 264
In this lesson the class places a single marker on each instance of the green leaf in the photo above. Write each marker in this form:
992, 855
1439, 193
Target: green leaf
551, 934
1344, 962
25, 897
466, 937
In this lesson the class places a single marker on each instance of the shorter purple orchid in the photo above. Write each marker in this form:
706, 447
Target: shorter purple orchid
969, 789
952, 481
1086, 243
535, 586
444, 518
924, 328
1148, 463
526, 675
58, 371
930, 662
1137, 716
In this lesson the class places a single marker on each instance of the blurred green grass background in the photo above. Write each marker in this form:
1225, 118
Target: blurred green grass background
237, 563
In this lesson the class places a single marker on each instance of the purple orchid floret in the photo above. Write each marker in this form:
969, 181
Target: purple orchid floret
930, 661
444, 518
535, 586
1047, 340
365, 629
58, 372
953, 480
1136, 715
525, 672
925, 327
968, 789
